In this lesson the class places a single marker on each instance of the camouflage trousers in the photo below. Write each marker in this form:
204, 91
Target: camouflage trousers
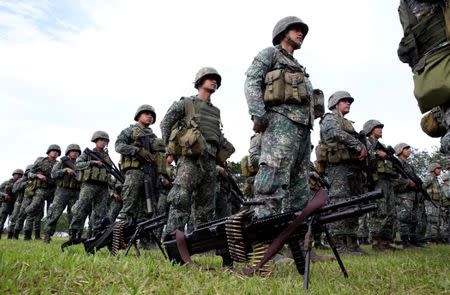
6, 210
445, 226
93, 196
194, 187
15, 214
114, 209
363, 227
345, 180
22, 214
406, 209
133, 195
381, 221
421, 217
35, 210
445, 140
249, 187
163, 205
433, 221
282, 179
64, 197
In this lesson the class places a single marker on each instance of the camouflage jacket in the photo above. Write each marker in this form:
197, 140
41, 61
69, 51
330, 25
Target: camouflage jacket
267, 60
255, 149
6, 187
431, 184
124, 143
19, 185
336, 128
403, 190
445, 188
44, 166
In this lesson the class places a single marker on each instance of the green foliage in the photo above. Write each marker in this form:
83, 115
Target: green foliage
33, 268
421, 159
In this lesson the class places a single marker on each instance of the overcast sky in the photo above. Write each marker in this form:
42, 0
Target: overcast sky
68, 68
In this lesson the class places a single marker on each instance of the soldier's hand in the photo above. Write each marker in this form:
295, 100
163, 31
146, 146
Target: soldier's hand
411, 184
222, 171
381, 154
69, 171
6, 197
258, 128
98, 163
146, 155
363, 154
41, 177
170, 159
166, 184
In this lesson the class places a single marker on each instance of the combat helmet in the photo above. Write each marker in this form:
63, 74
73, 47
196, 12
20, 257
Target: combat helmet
99, 135
73, 147
145, 108
370, 125
28, 168
337, 96
433, 166
54, 147
203, 73
399, 147
283, 24
18, 171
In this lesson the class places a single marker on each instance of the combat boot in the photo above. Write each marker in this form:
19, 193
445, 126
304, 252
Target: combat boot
319, 245
37, 234
363, 241
377, 245
27, 235
10, 235
405, 242
353, 246
16, 234
47, 238
73, 234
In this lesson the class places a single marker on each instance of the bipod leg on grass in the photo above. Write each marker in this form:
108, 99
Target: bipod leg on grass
133, 241
158, 242
332, 244
308, 247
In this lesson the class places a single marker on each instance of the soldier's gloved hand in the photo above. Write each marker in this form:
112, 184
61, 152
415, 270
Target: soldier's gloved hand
166, 184
146, 155
69, 171
98, 163
259, 124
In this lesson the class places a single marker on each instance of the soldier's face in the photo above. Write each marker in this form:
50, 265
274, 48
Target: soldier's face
378, 132
16, 176
344, 106
73, 154
437, 171
101, 143
406, 152
210, 85
146, 118
295, 35
53, 154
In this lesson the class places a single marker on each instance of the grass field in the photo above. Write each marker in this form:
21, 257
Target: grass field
35, 268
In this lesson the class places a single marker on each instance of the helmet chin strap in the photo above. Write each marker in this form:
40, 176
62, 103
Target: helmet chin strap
293, 43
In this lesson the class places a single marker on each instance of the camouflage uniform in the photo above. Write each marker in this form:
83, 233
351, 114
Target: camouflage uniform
128, 144
253, 163
282, 179
343, 170
115, 206
93, 193
406, 202
445, 228
66, 194
433, 188
7, 206
18, 190
37, 193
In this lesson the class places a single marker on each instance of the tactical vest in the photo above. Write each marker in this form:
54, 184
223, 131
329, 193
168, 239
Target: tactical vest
336, 152
423, 27
446, 195
67, 181
434, 190
44, 168
95, 173
207, 118
286, 83
128, 161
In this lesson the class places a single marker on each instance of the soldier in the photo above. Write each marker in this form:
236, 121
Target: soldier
8, 199
431, 184
381, 222
445, 228
94, 187
67, 189
116, 200
284, 118
134, 155
343, 155
196, 178
426, 49
41, 188
23, 201
17, 190
406, 200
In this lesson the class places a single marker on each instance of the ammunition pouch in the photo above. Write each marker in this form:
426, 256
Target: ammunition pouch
385, 168
94, 174
224, 151
161, 164
336, 153
247, 169
68, 182
30, 188
129, 162
432, 123
282, 87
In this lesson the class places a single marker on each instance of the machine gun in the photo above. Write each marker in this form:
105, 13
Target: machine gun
112, 169
122, 234
68, 162
246, 239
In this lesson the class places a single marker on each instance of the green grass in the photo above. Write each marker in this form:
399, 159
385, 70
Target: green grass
33, 267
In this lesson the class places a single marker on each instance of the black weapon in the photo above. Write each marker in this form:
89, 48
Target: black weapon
370, 183
400, 169
111, 168
237, 193
68, 162
322, 181
243, 237
150, 177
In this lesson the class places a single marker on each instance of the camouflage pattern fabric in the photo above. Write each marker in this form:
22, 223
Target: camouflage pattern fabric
363, 227
282, 179
114, 209
18, 190
381, 222
64, 197
222, 198
7, 206
445, 140
35, 209
421, 219
433, 221
194, 186
92, 197
134, 202
254, 151
22, 214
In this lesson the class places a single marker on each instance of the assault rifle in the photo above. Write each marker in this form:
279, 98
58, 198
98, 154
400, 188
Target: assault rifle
111, 168
245, 238
150, 178
237, 193
68, 162
399, 168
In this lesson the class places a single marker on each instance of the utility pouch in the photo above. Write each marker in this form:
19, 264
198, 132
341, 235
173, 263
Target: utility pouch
431, 123
274, 91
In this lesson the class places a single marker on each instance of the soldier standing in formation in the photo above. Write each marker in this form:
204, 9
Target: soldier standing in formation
284, 119
8, 198
343, 155
41, 189
134, 155
432, 207
445, 228
94, 192
67, 189
196, 178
